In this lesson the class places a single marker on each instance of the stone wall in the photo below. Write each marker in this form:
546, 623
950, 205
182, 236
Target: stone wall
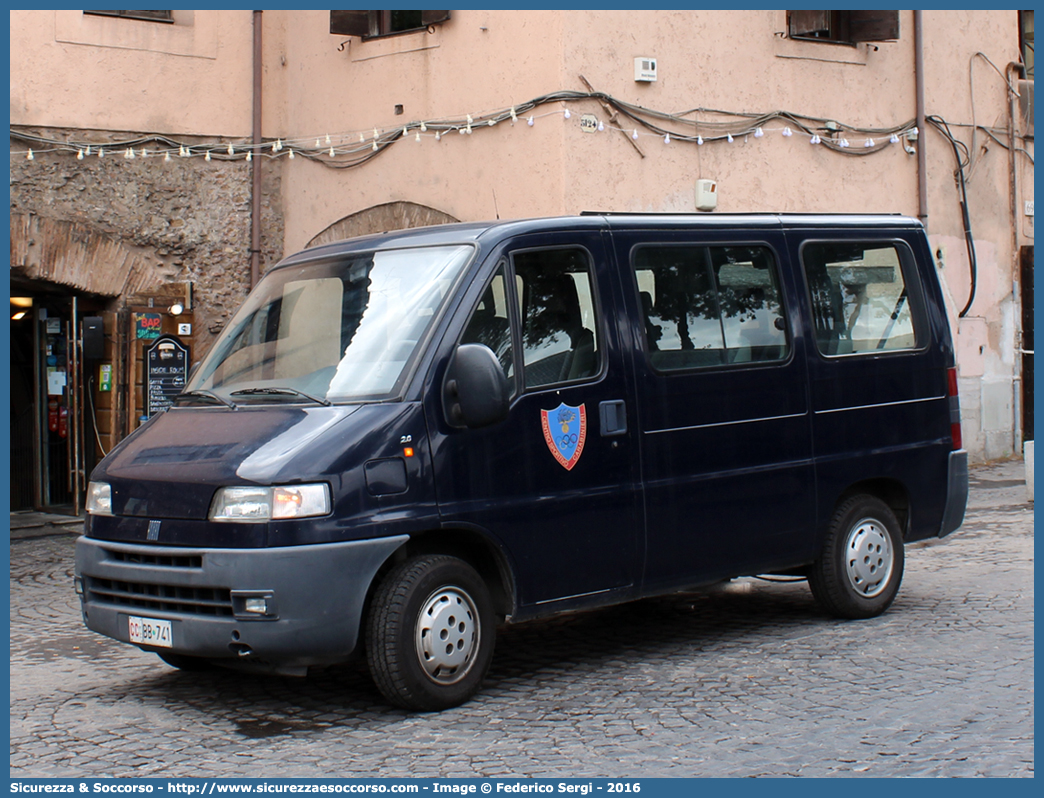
188, 216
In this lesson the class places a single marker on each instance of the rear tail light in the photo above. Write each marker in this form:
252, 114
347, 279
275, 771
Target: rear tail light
955, 409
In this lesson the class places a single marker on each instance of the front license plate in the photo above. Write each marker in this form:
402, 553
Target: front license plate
150, 632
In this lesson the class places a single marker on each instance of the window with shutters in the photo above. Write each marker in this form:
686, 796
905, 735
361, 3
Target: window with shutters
372, 24
149, 16
843, 27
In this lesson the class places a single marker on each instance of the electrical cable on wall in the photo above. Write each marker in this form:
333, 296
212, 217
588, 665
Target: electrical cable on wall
351, 149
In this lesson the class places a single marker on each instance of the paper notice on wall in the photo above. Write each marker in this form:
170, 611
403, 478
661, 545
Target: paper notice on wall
55, 381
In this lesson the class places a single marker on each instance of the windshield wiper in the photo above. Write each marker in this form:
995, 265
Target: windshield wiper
206, 395
281, 392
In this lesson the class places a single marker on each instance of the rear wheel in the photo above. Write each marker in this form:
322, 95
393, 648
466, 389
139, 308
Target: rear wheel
429, 635
859, 570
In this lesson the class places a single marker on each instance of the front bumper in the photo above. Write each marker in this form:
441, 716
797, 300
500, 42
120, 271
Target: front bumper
315, 596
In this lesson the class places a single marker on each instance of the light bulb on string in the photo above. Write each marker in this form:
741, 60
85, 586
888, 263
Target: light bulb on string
231, 150
405, 132
635, 134
88, 150
567, 114
182, 152
868, 143
250, 156
144, 153
362, 139
207, 157
128, 153
79, 155
731, 139
332, 153
376, 135
29, 156
374, 148
601, 126
530, 121
666, 138
415, 138
424, 127
843, 144
317, 143
101, 152
328, 138
758, 132
514, 116
788, 132
438, 135
166, 157
893, 139
815, 139
291, 153
491, 122
699, 141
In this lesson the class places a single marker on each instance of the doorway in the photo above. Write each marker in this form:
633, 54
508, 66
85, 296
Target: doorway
49, 463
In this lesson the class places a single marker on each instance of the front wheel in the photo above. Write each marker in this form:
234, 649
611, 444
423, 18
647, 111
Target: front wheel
860, 567
430, 633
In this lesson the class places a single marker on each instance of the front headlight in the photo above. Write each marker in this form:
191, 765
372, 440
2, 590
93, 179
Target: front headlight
99, 498
258, 504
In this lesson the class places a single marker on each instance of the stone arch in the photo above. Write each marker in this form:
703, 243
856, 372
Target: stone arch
77, 257
398, 215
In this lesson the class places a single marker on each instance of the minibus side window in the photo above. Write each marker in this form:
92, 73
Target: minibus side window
860, 301
710, 306
559, 317
490, 323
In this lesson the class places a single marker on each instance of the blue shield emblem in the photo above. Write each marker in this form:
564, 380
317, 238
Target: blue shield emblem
565, 430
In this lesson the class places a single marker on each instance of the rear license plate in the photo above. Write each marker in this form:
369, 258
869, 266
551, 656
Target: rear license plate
150, 632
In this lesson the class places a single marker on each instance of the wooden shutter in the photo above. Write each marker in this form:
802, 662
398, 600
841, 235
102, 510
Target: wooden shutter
350, 23
809, 23
873, 26
434, 17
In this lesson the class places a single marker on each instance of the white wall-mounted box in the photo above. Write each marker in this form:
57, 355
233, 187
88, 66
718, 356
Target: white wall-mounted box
706, 195
645, 69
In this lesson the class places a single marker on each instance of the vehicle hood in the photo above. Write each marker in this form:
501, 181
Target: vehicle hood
171, 466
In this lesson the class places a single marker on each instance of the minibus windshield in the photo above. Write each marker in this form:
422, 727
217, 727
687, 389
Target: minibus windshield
341, 329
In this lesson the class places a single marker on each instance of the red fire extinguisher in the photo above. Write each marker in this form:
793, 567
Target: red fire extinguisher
52, 415
63, 421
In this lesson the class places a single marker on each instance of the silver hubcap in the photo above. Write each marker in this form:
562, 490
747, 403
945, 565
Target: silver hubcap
868, 557
447, 635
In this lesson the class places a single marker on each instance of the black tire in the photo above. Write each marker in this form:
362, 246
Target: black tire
184, 662
429, 633
861, 565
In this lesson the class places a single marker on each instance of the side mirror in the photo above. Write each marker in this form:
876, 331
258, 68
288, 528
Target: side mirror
475, 391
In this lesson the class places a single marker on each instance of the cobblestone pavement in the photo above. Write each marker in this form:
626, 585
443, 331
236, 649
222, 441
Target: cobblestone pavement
747, 681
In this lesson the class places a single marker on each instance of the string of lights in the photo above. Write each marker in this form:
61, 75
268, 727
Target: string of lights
345, 150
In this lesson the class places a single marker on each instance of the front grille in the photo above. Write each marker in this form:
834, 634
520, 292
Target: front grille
160, 598
160, 560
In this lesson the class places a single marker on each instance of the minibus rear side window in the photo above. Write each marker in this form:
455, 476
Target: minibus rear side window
860, 300
710, 306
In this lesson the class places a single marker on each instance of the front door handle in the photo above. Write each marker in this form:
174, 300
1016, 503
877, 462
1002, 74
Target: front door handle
612, 416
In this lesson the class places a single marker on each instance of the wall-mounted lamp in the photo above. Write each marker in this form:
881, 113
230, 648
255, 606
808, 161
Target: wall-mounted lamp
176, 309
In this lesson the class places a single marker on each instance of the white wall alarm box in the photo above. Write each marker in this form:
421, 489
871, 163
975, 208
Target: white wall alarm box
706, 195
645, 69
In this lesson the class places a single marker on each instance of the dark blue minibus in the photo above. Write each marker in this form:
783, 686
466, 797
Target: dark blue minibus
403, 440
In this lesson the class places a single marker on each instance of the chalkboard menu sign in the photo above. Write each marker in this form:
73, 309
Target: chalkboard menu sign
166, 370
